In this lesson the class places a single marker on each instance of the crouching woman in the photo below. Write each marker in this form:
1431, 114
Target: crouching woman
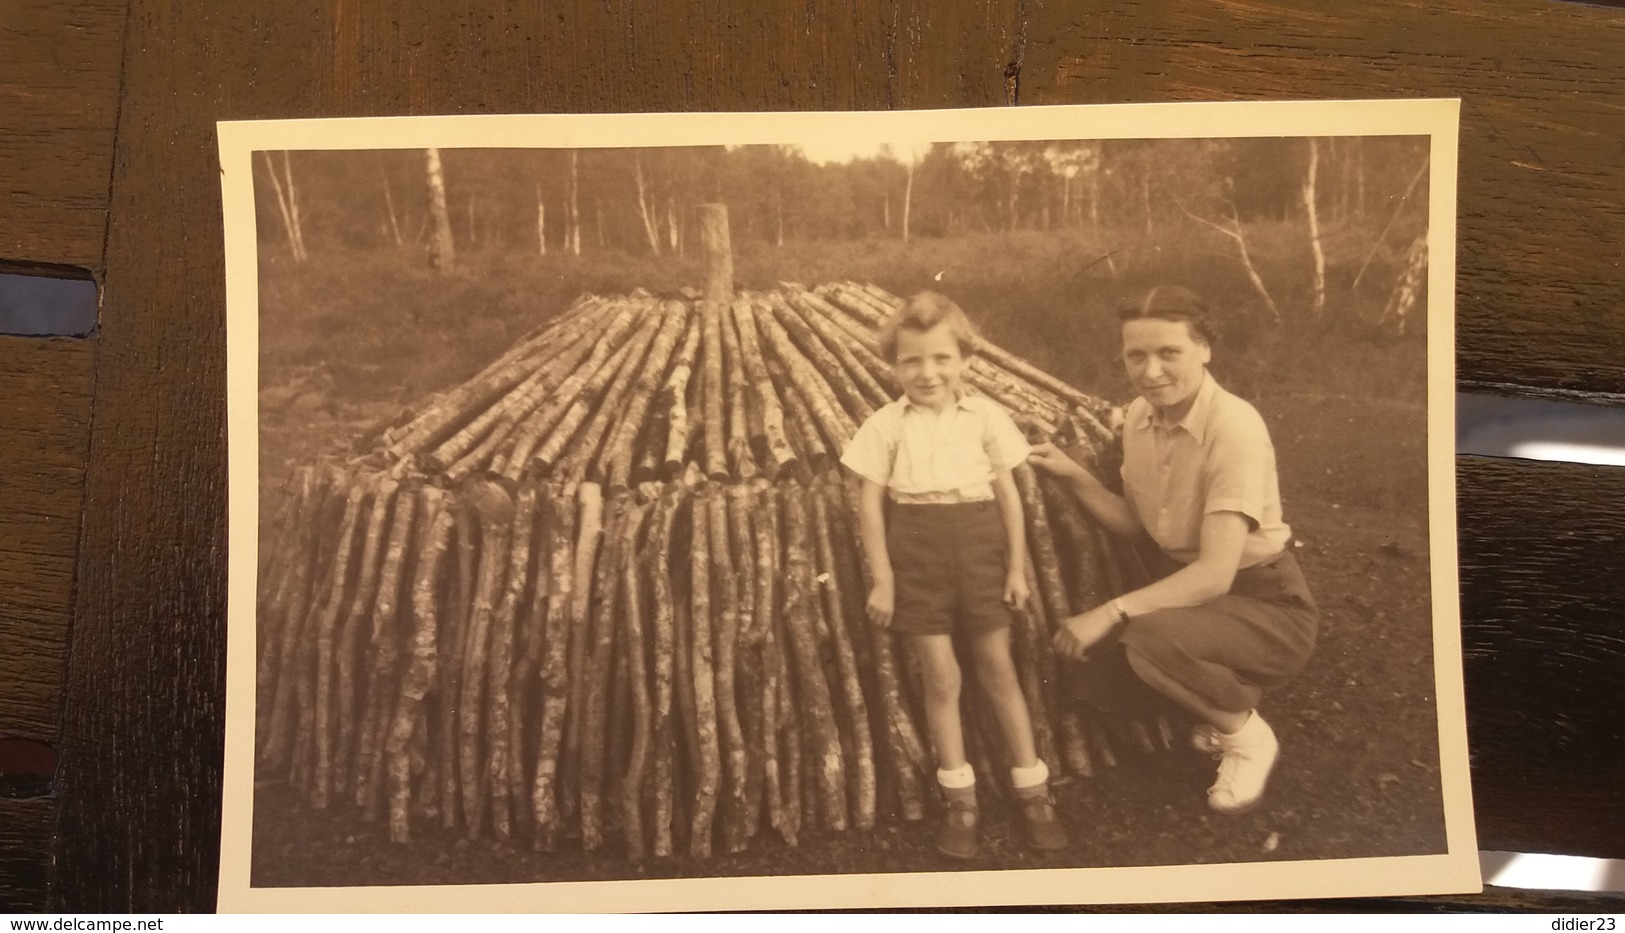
1232, 617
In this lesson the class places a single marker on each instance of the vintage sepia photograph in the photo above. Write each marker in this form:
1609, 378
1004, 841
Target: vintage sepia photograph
742, 511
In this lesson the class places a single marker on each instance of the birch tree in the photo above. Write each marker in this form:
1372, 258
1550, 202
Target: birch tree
908, 196
572, 206
1077, 165
287, 201
394, 227
674, 229
646, 206
1318, 300
1408, 289
541, 222
1234, 232
1400, 205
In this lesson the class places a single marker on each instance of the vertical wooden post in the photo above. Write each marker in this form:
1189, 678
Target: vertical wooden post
441, 250
719, 291
719, 257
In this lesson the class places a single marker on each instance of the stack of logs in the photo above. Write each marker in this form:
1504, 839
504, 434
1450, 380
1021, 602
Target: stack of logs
611, 586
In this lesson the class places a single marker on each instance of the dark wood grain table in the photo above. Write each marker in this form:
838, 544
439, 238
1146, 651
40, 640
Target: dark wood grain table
112, 473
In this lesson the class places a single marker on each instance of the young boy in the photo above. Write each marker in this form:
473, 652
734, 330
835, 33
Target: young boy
952, 558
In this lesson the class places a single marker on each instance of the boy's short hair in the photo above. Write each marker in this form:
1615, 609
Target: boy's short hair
921, 312
1172, 303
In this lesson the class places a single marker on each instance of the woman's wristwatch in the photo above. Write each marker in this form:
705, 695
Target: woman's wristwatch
1122, 614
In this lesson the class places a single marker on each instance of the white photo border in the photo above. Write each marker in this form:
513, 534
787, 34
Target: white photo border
1455, 871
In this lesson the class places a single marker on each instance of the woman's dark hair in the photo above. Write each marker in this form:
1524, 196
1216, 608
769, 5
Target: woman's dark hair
1172, 303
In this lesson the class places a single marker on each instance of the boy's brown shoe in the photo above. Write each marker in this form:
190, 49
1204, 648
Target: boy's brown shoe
1043, 824
957, 837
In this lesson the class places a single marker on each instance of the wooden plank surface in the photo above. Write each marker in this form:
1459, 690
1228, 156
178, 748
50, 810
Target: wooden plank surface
45, 421
1542, 193
25, 846
142, 733
1495, 900
59, 70
1543, 647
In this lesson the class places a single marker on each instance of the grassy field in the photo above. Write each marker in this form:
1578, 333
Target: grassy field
347, 341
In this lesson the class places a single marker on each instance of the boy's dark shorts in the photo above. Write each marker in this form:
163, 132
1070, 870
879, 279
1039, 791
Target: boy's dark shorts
949, 561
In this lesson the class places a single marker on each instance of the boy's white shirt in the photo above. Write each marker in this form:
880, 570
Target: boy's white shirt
925, 456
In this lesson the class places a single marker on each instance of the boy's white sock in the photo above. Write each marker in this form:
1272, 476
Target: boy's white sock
1034, 776
956, 778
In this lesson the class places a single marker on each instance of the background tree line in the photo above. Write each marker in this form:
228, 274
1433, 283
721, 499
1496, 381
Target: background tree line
1338, 201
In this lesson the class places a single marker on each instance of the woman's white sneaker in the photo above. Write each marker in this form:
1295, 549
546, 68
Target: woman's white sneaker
1245, 759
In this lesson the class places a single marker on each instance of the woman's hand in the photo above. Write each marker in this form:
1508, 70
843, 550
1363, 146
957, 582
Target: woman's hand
1077, 634
882, 599
1055, 461
1016, 593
